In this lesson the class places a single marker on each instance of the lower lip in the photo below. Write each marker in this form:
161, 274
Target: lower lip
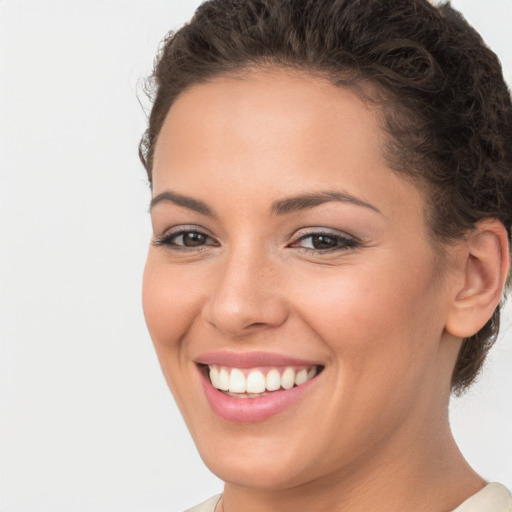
246, 410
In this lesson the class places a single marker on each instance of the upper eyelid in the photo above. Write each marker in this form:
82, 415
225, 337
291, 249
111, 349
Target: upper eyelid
310, 231
185, 228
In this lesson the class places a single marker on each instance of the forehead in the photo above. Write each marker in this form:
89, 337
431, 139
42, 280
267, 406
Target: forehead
267, 114
277, 133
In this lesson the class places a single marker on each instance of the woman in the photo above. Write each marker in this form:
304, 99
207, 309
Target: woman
331, 211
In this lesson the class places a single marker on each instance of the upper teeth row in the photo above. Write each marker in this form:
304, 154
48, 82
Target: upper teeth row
233, 380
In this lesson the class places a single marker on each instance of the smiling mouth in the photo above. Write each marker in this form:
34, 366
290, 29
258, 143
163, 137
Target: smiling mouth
258, 382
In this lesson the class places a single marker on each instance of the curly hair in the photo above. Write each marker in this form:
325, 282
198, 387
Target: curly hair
445, 105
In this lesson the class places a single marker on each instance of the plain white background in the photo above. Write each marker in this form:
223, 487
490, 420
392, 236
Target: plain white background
86, 421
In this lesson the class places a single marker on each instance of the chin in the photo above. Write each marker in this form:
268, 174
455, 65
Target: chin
257, 474
258, 461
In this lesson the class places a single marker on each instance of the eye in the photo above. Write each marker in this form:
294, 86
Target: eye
324, 242
185, 239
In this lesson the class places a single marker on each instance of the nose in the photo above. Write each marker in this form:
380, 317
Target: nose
247, 295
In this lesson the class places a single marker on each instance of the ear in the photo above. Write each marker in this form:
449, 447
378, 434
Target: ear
483, 262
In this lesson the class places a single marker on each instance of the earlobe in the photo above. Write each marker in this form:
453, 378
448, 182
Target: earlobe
484, 263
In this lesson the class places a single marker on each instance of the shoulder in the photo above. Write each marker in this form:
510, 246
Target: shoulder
207, 506
493, 497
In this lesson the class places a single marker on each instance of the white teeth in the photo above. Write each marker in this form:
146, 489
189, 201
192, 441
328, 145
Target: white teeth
214, 376
301, 377
223, 380
288, 378
256, 382
219, 378
235, 382
273, 380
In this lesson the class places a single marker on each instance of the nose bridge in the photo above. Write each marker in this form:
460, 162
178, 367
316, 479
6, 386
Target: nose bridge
246, 292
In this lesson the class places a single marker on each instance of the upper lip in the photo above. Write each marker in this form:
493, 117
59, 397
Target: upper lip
251, 359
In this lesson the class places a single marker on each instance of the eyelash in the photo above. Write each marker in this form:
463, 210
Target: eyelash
341, 243
169, 240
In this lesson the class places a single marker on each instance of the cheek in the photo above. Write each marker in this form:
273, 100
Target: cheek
382, 357
170, 307
376, 319
170, 304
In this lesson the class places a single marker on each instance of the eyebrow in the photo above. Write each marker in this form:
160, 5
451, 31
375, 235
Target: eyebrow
279, 207
307, 201
181, 200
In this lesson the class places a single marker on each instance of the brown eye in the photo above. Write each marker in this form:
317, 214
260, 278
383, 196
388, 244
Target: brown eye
325, 242
190, 239
185, 239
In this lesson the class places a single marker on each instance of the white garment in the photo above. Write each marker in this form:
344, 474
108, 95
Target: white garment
492, 498
207, 506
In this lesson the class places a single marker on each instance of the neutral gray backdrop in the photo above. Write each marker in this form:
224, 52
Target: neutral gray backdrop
86, 421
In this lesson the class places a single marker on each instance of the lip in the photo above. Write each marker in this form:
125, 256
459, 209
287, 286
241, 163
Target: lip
247, 410
252, 359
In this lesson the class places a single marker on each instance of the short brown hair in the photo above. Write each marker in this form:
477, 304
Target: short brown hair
447, 109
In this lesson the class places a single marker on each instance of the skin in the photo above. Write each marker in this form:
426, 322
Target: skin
379, 314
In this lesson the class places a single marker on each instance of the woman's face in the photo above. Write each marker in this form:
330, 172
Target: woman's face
287, 252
